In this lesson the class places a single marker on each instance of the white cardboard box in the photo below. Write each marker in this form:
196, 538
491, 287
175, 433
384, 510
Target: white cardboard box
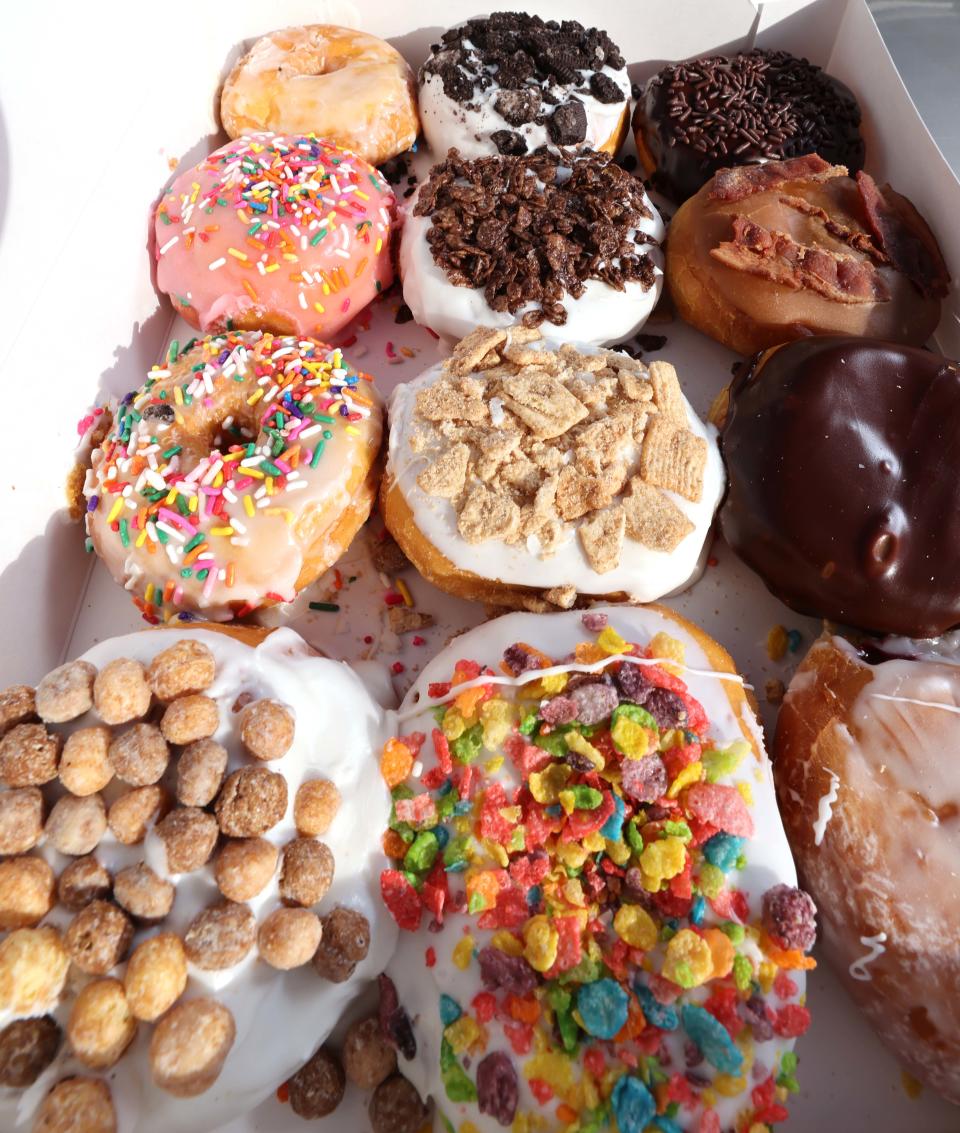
99, 102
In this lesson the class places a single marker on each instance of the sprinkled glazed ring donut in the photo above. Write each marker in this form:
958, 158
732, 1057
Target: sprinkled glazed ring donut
591, 877
869, 790
511, 83
235, 475
288, 234
336, 83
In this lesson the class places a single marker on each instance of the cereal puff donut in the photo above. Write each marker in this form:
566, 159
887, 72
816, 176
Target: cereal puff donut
333, 82
235, 476
214, 821
286, 233
591, 880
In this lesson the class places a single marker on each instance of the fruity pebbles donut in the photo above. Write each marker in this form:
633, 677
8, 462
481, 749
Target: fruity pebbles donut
235, 475
598, 903
285, 233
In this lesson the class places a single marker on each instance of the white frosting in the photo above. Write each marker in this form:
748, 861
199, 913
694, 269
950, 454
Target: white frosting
281, 1017
768, 855
858, 969
602, 315
825, 809
642, 573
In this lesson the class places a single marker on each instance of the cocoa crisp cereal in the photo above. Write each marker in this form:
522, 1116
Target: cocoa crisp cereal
143, 893
77, 1105
396, 1107
27, 1047
139, 756
33, 967
193, 717
131, 815
85, 766
28, 756
81, 882
156, 976
189, 836
98, 937
221, 936
121, 692
27, 891
317, 1087
288, 937
244, 866
266, 729
200, 771
21, 820
101, 1025
190, 1045
184, 668
66, 693
344, 943
306, 872
368, 1056
76, 825
251, 801
315, 806
17, 706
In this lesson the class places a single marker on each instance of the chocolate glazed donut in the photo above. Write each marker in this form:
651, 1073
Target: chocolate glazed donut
843, 455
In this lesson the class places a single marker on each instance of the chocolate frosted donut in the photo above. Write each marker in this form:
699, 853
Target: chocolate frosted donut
694, 118
841, 455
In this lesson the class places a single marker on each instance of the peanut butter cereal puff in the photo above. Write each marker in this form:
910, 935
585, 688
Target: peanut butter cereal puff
98, 937
189, 836
396, 1107
344, 943
66, 693
121, 692
27, 891
17, 706
156, 976
185, 668
76, 825
266, 729
251, 802
244, 866
139, 756
21, 820
200, 772
81, 882
28, 756
143, 894
133, 813
27, 1047
33, 967
101, 1025
85, 766
190, 718
190, 1045
368, 1055
307, 871
317, 1087
77, 1105
288, 937
221, 936
315, 806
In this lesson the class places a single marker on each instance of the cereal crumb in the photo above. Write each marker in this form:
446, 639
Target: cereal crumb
101, 1025
139, 756
33, 967
396, 1107
85, 766
653, 519
775, 690
200, 772
189, 836
21, 819
76, 825
306, 872
251, 801
27, 1047
28, 756
83, 881
98, 938
220, 937
402, 619
133, 813
344, 943
190, 718
77, 1105
602, 539
368, 1056
17, 706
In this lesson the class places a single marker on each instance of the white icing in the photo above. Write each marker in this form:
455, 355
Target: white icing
921, 703
642, 573
602, 315
858, 969
281, 1017
825, 809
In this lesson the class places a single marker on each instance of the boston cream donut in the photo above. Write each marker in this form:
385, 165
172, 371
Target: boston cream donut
235, 475
336, 83
764, 254
213, 821
286, 233
521, 472
511, 83
592, 881
502, 239
869, 790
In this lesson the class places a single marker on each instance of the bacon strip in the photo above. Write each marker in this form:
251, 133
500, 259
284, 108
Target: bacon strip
745, 180
852, 237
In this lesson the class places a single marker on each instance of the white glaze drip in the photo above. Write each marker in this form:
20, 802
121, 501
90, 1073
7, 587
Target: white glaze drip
858, 969
825, 809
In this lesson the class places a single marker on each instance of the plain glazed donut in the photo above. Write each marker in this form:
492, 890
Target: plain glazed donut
558, 807
868, 780
235, 476
288, 234
337, 83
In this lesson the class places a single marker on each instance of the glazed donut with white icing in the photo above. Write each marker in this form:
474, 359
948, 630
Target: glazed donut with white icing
481, 244
286, 233
336, 83
511, 83
868, 784
520, 470
602, 879
334, 733
237, 474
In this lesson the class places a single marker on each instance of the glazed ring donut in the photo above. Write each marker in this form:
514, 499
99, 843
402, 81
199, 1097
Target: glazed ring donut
235, 476
337, 83
282, 233
864, 758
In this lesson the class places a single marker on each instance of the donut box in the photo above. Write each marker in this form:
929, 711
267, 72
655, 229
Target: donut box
89, 272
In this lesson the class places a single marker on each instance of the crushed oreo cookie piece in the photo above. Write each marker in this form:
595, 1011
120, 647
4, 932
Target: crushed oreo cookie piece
568, 124
518, 106
509, 143
604, 89
395, 168
403, 315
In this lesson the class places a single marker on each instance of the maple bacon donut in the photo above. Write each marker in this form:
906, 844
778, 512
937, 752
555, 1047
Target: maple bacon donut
336, 83
235, 475
282, 233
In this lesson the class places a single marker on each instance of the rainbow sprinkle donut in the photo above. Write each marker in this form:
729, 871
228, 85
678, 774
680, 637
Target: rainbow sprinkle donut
601, 924
235, 475
289, 234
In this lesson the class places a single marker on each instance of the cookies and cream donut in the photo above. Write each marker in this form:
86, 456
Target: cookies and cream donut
504, 239
869, 426
697, 117
210, 779
286, 233
511, 83
336, 83
765, 254
869, 791
521, 471
591, 880
235, 475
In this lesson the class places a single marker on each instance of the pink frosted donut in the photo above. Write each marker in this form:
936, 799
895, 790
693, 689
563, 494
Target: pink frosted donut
289, 234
